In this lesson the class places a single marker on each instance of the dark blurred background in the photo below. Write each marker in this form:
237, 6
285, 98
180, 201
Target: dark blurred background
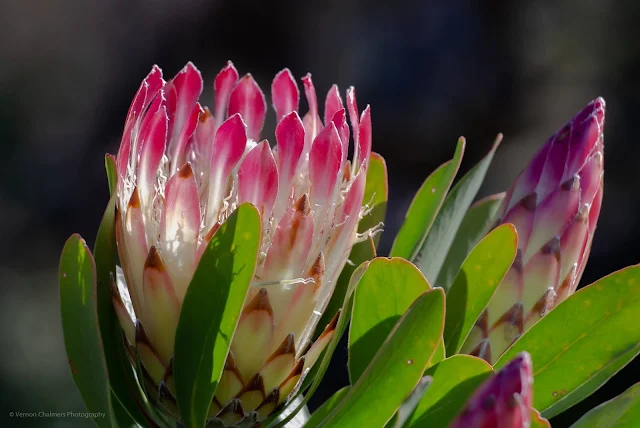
432, 70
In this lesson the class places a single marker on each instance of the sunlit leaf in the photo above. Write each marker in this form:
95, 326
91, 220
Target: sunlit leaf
476, 282
454, 381
384, 293
77, 278
211, 310
396, 368
425, 206
621, 411
581, 338
475, 225
432, 253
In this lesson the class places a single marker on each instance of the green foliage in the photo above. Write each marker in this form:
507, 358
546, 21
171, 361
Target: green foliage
586, 333
211, 310
622, 411
476, 282
373, 318
432, 253
454, 380
397, 367
475, 225
424, 207
77, 278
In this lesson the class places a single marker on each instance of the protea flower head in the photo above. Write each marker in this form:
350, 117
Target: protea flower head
554, 204
183, 170
502, 401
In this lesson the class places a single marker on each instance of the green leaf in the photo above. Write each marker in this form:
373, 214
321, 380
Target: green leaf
537, 421
77, 278
112, 172
327, 407
621, 411
599, 321
121, 375
475, 225
477, 281
384, 293
210, 312
318, 373
454, 380
397, 367
432, 253
425, 206
375, 194
593, 384
407, 408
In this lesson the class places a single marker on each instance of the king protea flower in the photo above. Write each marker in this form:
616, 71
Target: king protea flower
502, 401
183, 170
554, 204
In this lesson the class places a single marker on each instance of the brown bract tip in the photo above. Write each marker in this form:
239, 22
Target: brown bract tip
234, 406
530, 202
518, 261
260, 303
296, 370
287, 346
572, 184
230, 362
256, 383
272, 398
141, 334
552, 247
153, 260
316, 271
134, 201
302, 205
332, 325
206, 114
185, 171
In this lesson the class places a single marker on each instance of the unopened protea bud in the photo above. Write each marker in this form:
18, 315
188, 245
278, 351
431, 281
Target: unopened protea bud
183, 170
502, 401
554, 205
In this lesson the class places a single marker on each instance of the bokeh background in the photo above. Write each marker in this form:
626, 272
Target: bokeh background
432, 70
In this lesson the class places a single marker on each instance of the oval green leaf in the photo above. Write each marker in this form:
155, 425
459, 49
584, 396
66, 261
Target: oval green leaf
454, 380
425, 206
79, 312
477, 281
593, 384
397, 367
475, 225
433, 251
210, 312
599, 321
376, 193
621, 411
384, 293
